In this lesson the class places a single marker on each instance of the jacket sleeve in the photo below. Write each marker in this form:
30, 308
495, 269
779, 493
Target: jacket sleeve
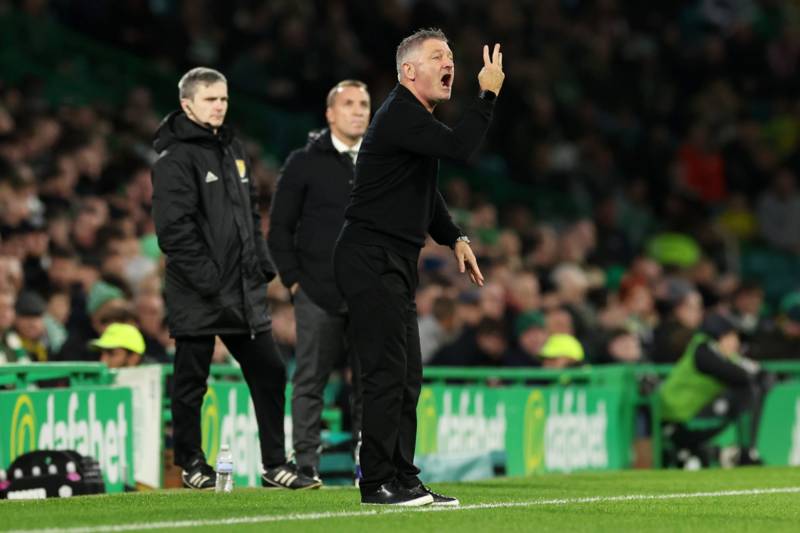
418, 131
262, 253
175, 212
722, 368
284, 214
442, 228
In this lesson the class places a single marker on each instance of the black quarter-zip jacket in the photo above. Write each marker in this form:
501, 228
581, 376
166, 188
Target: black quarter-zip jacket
395, 200
306, 217
208, 226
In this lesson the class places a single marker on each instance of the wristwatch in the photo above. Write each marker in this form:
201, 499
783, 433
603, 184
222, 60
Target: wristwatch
489, 96
462, 238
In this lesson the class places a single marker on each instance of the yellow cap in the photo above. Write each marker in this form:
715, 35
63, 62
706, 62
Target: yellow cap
119, 335
562, 345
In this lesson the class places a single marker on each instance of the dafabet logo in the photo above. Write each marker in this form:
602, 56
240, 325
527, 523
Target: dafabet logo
71, 421
227, 417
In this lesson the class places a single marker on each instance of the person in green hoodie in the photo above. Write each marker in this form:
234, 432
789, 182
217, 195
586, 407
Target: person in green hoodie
713, 378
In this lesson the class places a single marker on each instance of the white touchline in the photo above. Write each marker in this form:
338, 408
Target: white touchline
393, 510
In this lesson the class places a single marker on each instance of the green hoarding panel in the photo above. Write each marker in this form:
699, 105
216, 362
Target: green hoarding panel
779, 430
228, 416
95, 421
540, 429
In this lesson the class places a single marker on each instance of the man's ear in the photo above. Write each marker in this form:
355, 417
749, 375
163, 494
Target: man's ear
409, 71
185, 106
329, 115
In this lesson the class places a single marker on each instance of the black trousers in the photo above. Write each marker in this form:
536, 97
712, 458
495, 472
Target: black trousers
730, 405
379, 287
265, 373
321, 344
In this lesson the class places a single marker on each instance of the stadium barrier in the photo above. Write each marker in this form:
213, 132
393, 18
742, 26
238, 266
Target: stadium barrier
90, 416
516, 421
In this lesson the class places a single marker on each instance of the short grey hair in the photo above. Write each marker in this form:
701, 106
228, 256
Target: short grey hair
331, 98
198, 75
412, 42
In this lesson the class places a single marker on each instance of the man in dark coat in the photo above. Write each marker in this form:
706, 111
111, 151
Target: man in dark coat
218, 267
395, 204
307, 214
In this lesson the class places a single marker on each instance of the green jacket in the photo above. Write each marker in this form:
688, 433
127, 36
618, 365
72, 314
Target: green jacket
687, 390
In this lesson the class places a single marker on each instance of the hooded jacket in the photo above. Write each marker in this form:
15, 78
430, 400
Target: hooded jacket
312, 192
208, 226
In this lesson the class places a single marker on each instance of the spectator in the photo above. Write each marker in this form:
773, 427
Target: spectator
440, 327
778, 212
491, 344
572, 287
782, 340
150, 317
623, 346
524, 293
531, 334
120, 345
746, 306
684, 314
104, 300
561, 351
30, 326
638, 305
11, 350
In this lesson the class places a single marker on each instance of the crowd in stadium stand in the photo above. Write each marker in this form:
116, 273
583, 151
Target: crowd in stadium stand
672, 128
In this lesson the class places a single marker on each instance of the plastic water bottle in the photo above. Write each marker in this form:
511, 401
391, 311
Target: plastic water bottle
224, 469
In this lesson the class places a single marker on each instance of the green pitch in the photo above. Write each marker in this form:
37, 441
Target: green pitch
748, 499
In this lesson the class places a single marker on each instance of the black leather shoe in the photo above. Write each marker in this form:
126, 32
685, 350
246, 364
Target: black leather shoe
199, 475
392, 494
750, 458
438, 499
311, 472
287, 476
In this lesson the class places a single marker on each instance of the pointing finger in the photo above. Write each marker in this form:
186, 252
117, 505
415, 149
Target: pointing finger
486, 55
496, 54
475, 271
500, 63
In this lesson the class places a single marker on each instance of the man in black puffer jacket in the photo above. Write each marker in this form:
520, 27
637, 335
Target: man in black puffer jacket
218, 267
307, 214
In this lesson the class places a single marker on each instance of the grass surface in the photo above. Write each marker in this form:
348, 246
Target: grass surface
619, 501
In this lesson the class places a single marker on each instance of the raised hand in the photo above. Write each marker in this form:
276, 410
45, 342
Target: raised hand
491, 76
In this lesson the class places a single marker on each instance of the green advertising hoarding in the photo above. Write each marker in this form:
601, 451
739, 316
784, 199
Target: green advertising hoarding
538, 429
541, 429
227, 416
779, 429
94, 421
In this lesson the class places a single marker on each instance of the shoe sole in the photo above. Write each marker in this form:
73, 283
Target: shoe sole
455, 503
416, 502
273, 485
187, 486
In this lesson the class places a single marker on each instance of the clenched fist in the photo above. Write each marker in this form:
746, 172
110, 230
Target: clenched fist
491, 76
